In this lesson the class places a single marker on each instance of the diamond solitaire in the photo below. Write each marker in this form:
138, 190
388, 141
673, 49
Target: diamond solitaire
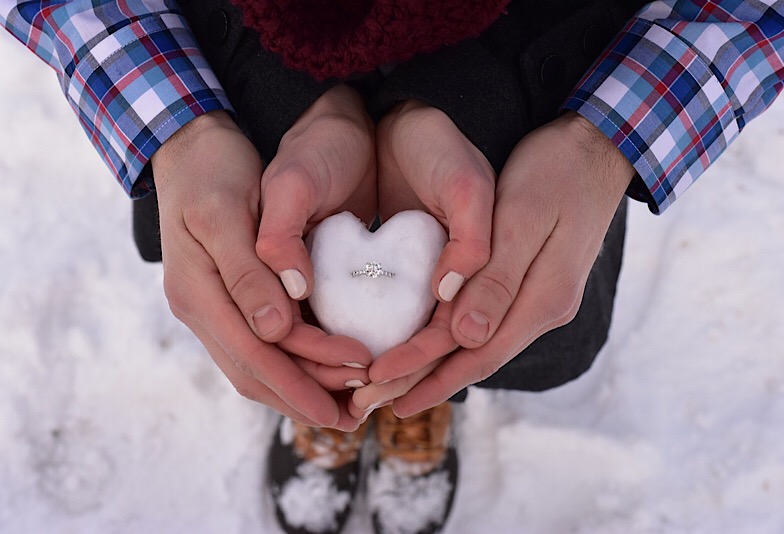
372, 270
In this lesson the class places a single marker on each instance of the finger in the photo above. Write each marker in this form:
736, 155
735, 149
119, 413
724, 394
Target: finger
288, 200
252, 389
545, 302
212, 307
346, 421
252, 286
374, 395
314, 344
429, 344
275, 369
246, 385
468, 207
334, 378
424, 156
518, 237
395, 194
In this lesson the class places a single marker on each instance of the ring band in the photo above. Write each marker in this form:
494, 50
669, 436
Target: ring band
372, 270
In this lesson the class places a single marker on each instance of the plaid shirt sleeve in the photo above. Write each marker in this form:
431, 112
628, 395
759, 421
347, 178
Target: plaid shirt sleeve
679, 83
130, 69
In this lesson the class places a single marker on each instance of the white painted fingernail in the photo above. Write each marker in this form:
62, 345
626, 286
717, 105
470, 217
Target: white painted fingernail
449, 286
377, 405
355, 383
354, 365
294, 283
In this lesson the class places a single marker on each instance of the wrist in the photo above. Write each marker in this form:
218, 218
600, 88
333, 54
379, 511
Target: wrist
606, 157
186, 139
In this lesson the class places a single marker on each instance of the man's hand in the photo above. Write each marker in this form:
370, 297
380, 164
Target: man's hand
555, 199
208, 178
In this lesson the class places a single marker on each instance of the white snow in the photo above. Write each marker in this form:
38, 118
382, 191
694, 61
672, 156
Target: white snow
406, 504
406, 247
311, 500
114, 419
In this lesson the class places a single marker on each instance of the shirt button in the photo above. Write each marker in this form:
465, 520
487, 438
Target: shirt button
551, 74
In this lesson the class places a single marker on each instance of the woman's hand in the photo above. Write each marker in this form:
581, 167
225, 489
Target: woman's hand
425, 162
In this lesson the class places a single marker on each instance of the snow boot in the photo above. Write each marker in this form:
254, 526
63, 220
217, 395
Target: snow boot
313, 474
412, 485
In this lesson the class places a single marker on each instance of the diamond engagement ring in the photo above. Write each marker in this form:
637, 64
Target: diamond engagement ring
372, 270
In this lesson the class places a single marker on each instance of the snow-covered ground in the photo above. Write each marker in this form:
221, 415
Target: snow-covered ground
114, 419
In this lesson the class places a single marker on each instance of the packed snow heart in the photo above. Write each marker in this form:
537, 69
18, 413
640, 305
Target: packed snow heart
375, 286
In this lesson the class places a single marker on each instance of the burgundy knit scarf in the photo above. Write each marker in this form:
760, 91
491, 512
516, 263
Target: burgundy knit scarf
338, 38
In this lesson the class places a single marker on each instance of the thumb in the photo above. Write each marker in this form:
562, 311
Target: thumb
452, 178
288, 201
467, 203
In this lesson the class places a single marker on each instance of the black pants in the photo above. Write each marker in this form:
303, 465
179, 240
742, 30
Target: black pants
495, 88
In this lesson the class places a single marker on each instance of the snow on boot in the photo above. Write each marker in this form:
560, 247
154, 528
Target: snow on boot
412, 485
313, 476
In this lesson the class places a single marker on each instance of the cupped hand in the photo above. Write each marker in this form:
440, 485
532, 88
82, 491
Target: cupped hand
208, 178
555, 199
325, 164
425, 162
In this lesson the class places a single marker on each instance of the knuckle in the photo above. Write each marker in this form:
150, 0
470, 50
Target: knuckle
564, 302
472, 251
241, 279
497, 285
269, 246
293, 179
243, 366
245, 390
487, 368
177, 295
467, 188
204, 219
480, 250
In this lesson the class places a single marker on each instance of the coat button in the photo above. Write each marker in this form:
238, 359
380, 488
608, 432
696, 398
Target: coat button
219, 31
551, 73
593, 43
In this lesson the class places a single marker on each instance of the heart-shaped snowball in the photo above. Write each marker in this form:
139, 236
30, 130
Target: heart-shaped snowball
375, 287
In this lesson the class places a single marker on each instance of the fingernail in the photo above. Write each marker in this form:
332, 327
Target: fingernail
449, 286
474, 326
377, 405
294, 283
355, 383
267, 319
354, 365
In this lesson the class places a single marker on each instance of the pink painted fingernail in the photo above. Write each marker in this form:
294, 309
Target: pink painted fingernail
294, 283
449, 286
267, 319
474, 326
355, 383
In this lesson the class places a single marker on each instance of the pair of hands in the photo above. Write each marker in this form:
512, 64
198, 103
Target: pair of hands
235, 264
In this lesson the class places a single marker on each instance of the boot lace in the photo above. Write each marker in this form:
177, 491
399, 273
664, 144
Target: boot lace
326, 447
418, 443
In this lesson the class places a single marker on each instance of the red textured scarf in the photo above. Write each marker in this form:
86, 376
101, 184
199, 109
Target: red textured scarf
338, 38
